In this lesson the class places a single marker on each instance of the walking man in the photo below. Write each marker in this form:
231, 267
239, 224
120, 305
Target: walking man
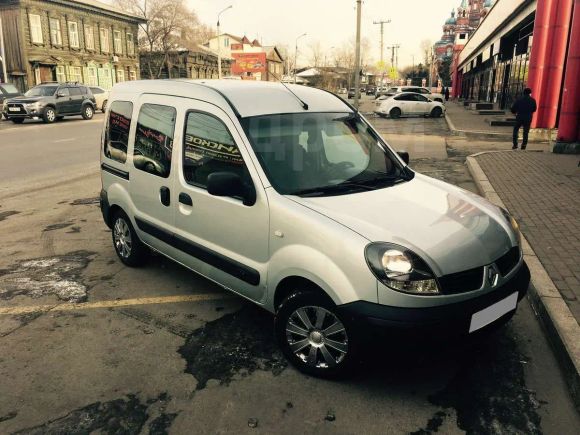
524, 109
446, 94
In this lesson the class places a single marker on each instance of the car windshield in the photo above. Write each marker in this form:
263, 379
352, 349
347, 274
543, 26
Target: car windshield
41, 91
320, 154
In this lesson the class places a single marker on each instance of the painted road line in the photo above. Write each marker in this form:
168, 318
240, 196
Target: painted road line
70, 139
113, 304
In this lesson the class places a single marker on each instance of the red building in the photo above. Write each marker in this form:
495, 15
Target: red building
527, 43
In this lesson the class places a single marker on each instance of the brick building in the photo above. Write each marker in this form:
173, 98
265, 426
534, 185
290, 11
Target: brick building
68, 40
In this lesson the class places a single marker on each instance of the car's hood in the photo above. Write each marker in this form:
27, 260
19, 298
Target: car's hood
24, 100
454, 230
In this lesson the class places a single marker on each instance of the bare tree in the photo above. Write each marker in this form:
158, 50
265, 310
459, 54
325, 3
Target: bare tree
170, 25
425, 46
317, 54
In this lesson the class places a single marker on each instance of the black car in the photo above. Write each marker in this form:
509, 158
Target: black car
7, 91
351, 93
51, 102
371, 90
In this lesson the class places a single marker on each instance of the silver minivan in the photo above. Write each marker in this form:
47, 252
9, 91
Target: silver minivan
288, 197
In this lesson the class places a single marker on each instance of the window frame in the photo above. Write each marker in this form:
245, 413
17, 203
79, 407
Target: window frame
104, 37
35, 29
55, 31
62, 74
117, 42
181, 165
73, 42
130, 44
120, 75
88, 28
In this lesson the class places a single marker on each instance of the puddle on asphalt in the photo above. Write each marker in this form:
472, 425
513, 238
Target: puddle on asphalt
237, 343
121, 416
58, 276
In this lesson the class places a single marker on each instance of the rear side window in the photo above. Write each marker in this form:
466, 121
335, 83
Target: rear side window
154, 139
208, 147
117, 131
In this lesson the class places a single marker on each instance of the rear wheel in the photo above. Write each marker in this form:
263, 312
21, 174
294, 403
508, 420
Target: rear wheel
49, 115
17, 120
104, 106
130, 250
88, 111
395, 113
314, 337
436, 112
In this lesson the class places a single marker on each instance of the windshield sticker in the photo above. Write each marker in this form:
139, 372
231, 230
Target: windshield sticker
197, 148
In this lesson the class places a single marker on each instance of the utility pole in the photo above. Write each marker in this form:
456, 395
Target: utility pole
382, 23
357, 54
296, 55
220, 42
3, 54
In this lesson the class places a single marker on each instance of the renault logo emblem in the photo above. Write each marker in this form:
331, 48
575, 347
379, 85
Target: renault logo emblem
492, 275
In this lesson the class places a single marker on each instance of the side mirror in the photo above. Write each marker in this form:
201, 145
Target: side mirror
404, 155
230, 184
60, 94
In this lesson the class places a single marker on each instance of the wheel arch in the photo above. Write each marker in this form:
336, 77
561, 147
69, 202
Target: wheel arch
290, 283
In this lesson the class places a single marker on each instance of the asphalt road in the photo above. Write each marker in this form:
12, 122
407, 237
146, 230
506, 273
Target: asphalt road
89, 345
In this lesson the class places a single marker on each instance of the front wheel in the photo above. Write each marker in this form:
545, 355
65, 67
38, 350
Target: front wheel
314, 337
88, 112
395, 113
104, 106
130, 250
49, 115
436, 112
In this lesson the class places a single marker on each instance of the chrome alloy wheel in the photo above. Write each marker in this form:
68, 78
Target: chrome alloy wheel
317, 337
122, 235
50, 115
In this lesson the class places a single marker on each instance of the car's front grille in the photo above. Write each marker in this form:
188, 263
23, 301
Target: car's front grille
508, 261
462, 282
11, 106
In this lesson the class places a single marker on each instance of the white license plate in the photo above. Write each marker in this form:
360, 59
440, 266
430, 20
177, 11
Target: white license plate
14, 109
493, 312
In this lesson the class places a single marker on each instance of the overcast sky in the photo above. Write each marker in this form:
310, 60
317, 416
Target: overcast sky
332, 22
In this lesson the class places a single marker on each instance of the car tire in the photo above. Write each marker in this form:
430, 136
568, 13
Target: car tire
88, 112
104, 106
17, 120
49, 115
329, 349
436, 112
395, 113
130, 250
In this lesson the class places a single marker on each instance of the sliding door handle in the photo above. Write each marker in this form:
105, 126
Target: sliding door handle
184, 198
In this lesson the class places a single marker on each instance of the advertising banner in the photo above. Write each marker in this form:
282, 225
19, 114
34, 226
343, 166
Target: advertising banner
248, 62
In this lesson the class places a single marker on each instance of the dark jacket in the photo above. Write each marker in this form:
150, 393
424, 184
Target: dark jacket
524, 108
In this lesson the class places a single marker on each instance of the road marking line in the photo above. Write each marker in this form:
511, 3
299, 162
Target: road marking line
64, 140
113, 304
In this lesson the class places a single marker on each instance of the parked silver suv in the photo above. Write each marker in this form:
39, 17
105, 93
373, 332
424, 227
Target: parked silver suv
288, 197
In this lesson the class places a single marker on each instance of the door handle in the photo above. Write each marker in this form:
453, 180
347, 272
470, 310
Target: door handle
164, 196
184, 198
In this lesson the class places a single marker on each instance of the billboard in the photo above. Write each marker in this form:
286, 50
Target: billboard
248, 62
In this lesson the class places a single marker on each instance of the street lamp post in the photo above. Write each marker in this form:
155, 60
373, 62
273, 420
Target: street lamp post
220, 42
296, 55
357, 54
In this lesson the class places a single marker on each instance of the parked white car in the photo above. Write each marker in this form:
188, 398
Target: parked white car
288, 197
416, 89
101, 96
410, 104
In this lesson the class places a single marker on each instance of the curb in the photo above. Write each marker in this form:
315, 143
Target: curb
558, 321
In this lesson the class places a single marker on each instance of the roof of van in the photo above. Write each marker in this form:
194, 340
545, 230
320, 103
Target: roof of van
250, 98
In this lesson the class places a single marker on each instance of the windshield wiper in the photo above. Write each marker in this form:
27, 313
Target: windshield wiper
344, 187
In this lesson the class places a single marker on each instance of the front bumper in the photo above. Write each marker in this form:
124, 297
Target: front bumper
24, 112
453, 318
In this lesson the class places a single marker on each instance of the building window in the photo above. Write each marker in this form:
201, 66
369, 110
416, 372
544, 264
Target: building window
104, 36
75, 74
35, 29
37, 78
60, 74
117, 131
117, 43
55, 33
226, 42
154, 139
120, 75
89, 38
130, 45
73, 34
132, 75
92, 79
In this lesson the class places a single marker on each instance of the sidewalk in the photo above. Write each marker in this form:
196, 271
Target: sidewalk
542, 191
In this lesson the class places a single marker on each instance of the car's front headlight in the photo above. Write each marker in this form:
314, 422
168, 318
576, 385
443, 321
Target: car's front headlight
33, 105
401, 269
513, 223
